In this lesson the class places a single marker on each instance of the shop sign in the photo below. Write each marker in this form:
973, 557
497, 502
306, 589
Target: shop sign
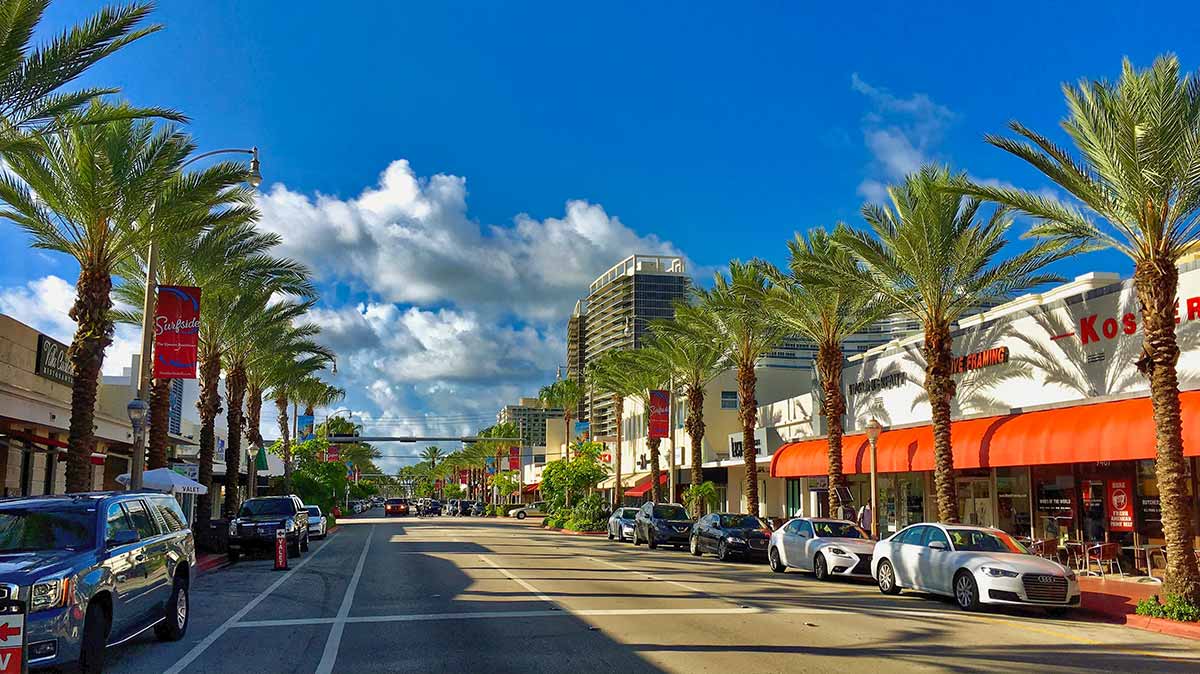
1119, 502
1095, 328
52, 361
979, 360
176, 332
660, 414
189, 470
879, 383
333, 454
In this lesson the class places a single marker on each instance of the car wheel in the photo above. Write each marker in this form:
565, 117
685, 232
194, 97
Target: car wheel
610, 536
521, 515
233, 556
722, 551
695, 546
966, 592
651, 542
175, 622
820, 567
95, 637
776, 564
887, 578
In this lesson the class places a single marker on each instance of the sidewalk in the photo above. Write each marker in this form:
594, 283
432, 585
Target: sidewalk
1114, 601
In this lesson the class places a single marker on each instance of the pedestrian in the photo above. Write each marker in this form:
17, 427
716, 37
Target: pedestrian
864, 516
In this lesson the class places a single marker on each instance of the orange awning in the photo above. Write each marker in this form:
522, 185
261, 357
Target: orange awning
643, 486
1111, 431
530, 488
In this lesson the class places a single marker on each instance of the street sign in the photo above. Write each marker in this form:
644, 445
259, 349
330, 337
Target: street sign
12, 637
280, 550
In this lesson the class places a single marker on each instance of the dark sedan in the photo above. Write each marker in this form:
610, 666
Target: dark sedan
728, 534
662, 524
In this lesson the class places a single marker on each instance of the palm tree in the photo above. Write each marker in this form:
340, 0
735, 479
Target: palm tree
826, 312
687, 351
91, 192
1138, 181
220, 232
931, 258
30, 102
278, 385
735, 313
606, 375
565, 394
432, 455
633, 373
312, 393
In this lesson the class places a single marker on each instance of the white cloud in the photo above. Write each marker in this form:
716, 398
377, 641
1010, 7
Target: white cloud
44, 304
409, 240
901, 134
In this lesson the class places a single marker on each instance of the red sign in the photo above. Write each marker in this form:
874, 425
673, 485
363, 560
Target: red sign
333, 454
660, 414
464, 475
1119, 503
176, 332
280, 550
514, 458
12, 639
606, 458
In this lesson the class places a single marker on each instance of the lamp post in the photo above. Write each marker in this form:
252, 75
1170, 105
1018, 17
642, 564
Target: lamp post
873, 431
137, 409
254, 179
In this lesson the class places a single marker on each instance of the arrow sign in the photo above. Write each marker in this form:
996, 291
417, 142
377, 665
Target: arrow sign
7, 630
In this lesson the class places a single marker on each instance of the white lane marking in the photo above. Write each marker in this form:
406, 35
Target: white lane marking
689, 588
536, 592
479, 615
329, 657
199, 648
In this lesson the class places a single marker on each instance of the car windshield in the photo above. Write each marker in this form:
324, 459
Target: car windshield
741, 522
670, 512
839, 530
395, 501
266, 506
627, 513
975, 540
314, 511
43, 529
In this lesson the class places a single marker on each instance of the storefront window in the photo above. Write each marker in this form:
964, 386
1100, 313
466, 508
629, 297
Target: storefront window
1149, 507
1012, 501
902, 500
1055, 502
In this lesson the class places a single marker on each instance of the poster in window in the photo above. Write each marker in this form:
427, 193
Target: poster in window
1119, 501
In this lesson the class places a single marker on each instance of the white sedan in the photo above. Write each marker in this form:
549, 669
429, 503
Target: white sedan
975, 565
825, 547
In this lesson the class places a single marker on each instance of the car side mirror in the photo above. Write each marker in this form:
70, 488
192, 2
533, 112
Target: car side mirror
937, 545
123, 537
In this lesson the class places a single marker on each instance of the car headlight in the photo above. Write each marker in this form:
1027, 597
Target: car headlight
289, 524
736, 539
49, 593
838, 551
233, 525
998, 573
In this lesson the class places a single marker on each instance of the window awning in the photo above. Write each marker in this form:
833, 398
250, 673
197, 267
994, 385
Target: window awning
1121, 430
531, 488
643, 486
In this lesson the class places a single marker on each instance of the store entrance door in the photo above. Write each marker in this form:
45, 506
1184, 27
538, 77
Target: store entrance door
975, 501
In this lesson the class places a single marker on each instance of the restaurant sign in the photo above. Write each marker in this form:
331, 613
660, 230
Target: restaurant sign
52, 361
1119, 504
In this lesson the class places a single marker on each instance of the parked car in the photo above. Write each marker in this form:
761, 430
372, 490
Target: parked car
728, 534
95, 570
451, 507
826, 547
395, 506
535, 509
258, 519
433, 507
620, 524
974, 565
662, 524
316, 522
478, 509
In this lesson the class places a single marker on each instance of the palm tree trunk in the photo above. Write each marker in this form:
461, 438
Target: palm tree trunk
160, 423
695, 429
209, 406
1157, 283
939, 386
92, 337
235, 393
748, 410
829, 371
253, 419
281, 405
567, 428
655, 472
619, 492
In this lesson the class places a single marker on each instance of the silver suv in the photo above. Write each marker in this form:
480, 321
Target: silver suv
95, 570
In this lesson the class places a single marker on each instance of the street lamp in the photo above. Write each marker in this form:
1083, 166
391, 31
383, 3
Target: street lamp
873, 431
137, 409
254, 179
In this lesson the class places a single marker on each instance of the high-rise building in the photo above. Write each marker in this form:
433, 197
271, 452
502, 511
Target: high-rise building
616, 314
530, 418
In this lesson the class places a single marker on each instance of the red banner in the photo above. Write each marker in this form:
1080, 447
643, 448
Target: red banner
660, 414
1119, 502
514, 458
334, 454
176, 332
464, 475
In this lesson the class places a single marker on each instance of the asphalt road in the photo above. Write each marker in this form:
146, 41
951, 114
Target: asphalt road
468, 595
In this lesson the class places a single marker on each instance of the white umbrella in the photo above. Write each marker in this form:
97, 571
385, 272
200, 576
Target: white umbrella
165, 479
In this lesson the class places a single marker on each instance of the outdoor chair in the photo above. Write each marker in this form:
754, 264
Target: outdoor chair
1105, 555
1047, 548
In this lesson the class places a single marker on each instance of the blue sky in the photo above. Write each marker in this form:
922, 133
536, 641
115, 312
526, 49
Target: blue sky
531, 145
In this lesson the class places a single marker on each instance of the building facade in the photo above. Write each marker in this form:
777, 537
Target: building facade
530, 418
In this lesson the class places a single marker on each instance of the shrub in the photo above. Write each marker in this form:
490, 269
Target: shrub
588, 515
1175, 608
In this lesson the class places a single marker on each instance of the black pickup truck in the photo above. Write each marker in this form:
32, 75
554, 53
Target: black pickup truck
258, 519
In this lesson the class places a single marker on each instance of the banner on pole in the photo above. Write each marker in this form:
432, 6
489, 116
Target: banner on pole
333, 454
176, 332
514, 458
660, 414
304, 427
582, 431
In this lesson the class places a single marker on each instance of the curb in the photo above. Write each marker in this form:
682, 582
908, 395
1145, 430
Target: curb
1163, 626
570, 532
